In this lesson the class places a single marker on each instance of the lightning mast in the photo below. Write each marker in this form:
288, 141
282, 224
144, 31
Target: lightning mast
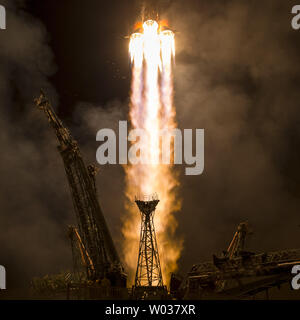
148, 273
95, 242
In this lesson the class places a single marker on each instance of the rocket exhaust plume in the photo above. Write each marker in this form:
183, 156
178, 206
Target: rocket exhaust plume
151, 109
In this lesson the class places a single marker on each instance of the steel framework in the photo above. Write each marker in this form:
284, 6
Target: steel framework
238, 273
148, 273
93, 237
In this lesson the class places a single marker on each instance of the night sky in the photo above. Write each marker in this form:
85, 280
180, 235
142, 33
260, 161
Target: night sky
237, 75
90, 48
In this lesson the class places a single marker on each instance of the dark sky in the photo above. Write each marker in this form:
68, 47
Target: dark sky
237, 75
91, 52
87, 43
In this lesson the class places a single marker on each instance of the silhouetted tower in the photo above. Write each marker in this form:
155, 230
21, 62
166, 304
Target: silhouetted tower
93, 239
148, 271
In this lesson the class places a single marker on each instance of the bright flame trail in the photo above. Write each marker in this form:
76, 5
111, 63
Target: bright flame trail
152, 109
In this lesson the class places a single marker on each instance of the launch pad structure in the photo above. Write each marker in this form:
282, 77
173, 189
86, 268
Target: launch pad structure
148, 279
237, 274
98, 272
92, 245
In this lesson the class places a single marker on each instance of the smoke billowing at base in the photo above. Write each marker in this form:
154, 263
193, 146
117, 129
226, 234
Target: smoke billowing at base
236, 75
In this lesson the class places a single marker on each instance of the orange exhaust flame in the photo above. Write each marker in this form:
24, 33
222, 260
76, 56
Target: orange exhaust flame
152, 109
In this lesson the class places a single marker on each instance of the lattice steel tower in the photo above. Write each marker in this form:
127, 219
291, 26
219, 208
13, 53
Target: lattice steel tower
92, 238
148, 273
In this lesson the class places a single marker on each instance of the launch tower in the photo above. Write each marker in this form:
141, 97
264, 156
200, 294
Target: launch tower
148, 273
92, 237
